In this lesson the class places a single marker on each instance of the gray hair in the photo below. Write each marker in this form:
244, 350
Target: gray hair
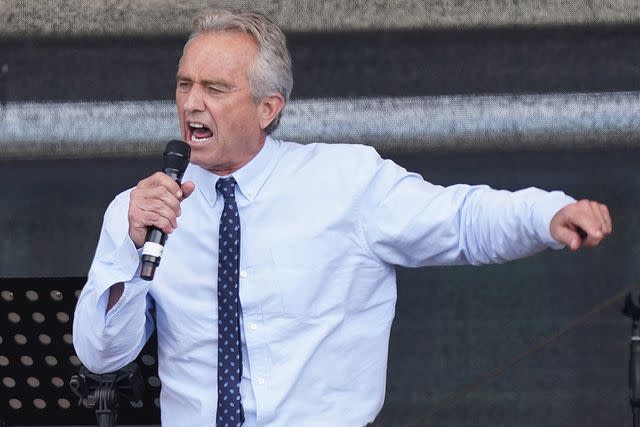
270, 72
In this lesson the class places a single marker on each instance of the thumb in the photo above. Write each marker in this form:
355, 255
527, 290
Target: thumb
187, 189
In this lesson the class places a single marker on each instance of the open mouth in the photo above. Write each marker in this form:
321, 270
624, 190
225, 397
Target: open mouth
199, 132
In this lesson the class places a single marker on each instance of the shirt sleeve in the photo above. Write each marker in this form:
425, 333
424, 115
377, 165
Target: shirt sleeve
106, 341
408, 221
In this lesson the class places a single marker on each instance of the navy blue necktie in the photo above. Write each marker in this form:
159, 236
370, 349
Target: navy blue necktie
229, 412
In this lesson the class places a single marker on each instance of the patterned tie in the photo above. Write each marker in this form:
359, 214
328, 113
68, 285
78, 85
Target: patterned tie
229, 412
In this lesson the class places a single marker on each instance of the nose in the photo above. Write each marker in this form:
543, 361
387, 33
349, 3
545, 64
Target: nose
194, 99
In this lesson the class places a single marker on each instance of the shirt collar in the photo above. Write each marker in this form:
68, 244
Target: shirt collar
250, 178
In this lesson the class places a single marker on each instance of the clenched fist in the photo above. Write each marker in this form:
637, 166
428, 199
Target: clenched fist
583, 223
156, 202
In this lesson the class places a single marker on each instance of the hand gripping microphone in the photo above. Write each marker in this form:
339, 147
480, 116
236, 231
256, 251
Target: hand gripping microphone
176, 158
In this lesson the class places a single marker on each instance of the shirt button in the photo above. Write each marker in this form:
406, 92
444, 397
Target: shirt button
253, 326
243, 274
261, 381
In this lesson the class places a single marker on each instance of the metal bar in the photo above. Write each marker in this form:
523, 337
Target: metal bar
594, 121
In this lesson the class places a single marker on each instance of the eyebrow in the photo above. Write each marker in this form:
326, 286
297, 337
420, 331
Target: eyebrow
219, 83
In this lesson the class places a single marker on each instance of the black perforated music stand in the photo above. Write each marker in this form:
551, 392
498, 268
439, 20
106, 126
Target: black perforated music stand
37, 358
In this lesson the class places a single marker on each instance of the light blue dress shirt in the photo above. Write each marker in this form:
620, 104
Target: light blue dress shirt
322, 228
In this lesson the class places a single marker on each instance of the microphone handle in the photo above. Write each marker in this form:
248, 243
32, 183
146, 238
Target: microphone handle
155, 240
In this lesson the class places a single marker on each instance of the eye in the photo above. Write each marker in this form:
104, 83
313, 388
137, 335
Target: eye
184, 86
214, 89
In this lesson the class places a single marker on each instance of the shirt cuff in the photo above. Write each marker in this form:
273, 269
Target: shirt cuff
544, 211
122, 266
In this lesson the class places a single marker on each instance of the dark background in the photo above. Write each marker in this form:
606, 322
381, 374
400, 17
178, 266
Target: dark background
344, 64
453, 325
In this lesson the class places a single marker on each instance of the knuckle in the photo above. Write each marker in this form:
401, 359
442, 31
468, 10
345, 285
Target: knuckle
164, 192
147, 182
156, 205
135, 194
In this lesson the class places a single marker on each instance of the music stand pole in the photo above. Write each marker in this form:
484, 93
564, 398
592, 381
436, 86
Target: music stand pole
632, 309
102, 392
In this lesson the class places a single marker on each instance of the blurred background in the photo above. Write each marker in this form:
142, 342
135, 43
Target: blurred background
501, 92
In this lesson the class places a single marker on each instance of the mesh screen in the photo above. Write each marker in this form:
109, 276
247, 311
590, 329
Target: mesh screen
37, 358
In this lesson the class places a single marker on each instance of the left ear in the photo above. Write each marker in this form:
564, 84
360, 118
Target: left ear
268, 109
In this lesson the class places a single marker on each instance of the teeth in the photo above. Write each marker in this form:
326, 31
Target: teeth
196, 125
194, 139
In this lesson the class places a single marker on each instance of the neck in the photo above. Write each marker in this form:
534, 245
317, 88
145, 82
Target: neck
229, 169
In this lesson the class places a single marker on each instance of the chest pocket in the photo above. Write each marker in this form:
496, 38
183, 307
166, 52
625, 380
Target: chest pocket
311, 278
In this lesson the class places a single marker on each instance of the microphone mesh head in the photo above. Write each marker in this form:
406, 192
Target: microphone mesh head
176, 155
178, 148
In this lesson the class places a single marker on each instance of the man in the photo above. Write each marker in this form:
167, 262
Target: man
276, 293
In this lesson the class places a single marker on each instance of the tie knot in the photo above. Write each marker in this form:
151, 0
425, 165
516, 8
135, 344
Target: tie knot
226, 187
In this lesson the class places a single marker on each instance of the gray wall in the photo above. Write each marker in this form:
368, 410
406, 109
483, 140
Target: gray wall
128, 17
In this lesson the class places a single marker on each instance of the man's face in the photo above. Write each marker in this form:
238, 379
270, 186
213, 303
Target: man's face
218, 117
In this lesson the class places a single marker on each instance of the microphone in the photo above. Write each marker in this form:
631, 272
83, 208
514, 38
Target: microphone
176, 158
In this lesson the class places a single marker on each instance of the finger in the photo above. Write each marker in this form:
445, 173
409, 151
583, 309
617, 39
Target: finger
157, 200
157, 206
569, 237
161, 193
161, 179
144, 219
592, 235
597, 212
604, 210
593, 240
592, 225
159, 222
187, 189
587, 217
